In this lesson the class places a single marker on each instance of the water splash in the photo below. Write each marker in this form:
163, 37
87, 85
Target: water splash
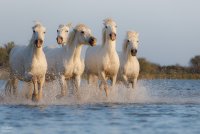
148, 92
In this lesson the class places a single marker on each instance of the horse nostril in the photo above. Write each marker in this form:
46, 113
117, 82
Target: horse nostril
112, 36
61, 37
133, 51
40, 40
92, 39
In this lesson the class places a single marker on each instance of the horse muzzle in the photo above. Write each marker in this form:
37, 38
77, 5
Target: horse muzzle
59, 40
92, 41
133, 52
113, 36
38, 43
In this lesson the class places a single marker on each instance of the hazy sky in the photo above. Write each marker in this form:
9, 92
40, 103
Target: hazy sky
169, 29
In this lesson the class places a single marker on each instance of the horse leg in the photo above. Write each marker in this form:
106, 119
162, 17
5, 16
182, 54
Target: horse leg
125, 80
63, 85
134, 82
89, 79
92, 79
77, 83
30, 90
103, 81
15, 84
114, 78
35, 96
40, 87
96, 80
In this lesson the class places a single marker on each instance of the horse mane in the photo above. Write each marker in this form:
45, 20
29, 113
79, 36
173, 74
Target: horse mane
61, 26
130, 35
108, 21
103, 37
71, 37
124, 46
69, 24
37, 24
72, 34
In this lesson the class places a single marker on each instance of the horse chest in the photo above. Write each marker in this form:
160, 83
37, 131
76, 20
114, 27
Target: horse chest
111, 65
130, 69
38, 67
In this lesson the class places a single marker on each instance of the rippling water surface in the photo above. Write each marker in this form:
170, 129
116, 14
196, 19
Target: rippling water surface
157, 106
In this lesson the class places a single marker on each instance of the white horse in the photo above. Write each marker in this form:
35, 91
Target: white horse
28, 63
62, 39
102, 61
129, 65
66, 63
62, 34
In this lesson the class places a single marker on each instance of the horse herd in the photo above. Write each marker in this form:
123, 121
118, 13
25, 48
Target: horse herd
34, 64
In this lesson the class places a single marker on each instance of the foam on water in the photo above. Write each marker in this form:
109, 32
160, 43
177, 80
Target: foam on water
147, 92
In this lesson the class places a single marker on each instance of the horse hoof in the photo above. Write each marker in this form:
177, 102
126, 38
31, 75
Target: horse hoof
60, 96
28, 96
35, 98
78, 97
127, 86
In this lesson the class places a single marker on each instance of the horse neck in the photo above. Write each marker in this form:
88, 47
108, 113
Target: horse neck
75, 50
34, 51
110, 46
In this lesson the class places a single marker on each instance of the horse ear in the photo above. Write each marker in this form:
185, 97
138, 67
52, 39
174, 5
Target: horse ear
69, 24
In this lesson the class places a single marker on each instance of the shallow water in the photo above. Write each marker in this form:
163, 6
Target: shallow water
157, 106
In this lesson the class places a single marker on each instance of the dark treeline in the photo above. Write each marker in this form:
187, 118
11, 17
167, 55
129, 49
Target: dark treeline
4, 53
148, 70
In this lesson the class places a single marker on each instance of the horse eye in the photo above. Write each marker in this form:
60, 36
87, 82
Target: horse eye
128, 40
34, 31
82, 32
66, 31
106, 26
57, 31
